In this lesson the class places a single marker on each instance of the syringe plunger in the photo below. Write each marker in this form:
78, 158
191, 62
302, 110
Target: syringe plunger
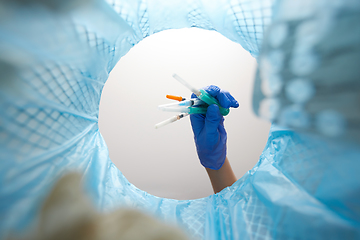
186, 84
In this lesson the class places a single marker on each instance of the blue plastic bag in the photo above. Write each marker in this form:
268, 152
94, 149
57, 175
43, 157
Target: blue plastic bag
55, 58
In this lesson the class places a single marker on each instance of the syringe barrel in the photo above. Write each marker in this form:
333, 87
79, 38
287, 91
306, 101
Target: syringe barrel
166, 122
176, 109
207, 98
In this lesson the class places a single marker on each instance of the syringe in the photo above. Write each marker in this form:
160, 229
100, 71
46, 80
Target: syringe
171, 120
189, 110
185, 103
203, 95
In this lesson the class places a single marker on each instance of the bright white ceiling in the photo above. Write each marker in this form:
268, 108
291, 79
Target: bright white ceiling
163, 162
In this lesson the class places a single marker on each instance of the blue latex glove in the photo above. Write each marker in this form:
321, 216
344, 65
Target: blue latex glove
209, 132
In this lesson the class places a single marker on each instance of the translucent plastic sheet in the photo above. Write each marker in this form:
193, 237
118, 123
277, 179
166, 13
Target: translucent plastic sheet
55, 58
308, 75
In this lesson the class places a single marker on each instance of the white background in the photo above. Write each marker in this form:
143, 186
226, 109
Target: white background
164, 162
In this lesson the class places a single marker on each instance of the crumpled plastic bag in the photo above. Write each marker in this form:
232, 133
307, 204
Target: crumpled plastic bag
55, 58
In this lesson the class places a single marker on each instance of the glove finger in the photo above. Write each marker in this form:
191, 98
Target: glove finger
197, 123
233, 102
212, 90
225, 99
216, 92
193, 95
212, 121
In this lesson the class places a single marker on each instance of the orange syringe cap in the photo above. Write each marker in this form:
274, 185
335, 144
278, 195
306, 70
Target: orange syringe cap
175, 98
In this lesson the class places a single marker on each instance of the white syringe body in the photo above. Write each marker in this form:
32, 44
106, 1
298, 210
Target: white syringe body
166, 122
186, 84
176, 109
171, 120
185, 103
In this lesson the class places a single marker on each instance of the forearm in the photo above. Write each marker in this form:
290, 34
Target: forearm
221, 178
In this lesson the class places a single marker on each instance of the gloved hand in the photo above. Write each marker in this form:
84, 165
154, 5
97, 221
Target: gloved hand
209, 132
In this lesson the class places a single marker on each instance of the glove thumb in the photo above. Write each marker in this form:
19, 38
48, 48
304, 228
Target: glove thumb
212, 121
